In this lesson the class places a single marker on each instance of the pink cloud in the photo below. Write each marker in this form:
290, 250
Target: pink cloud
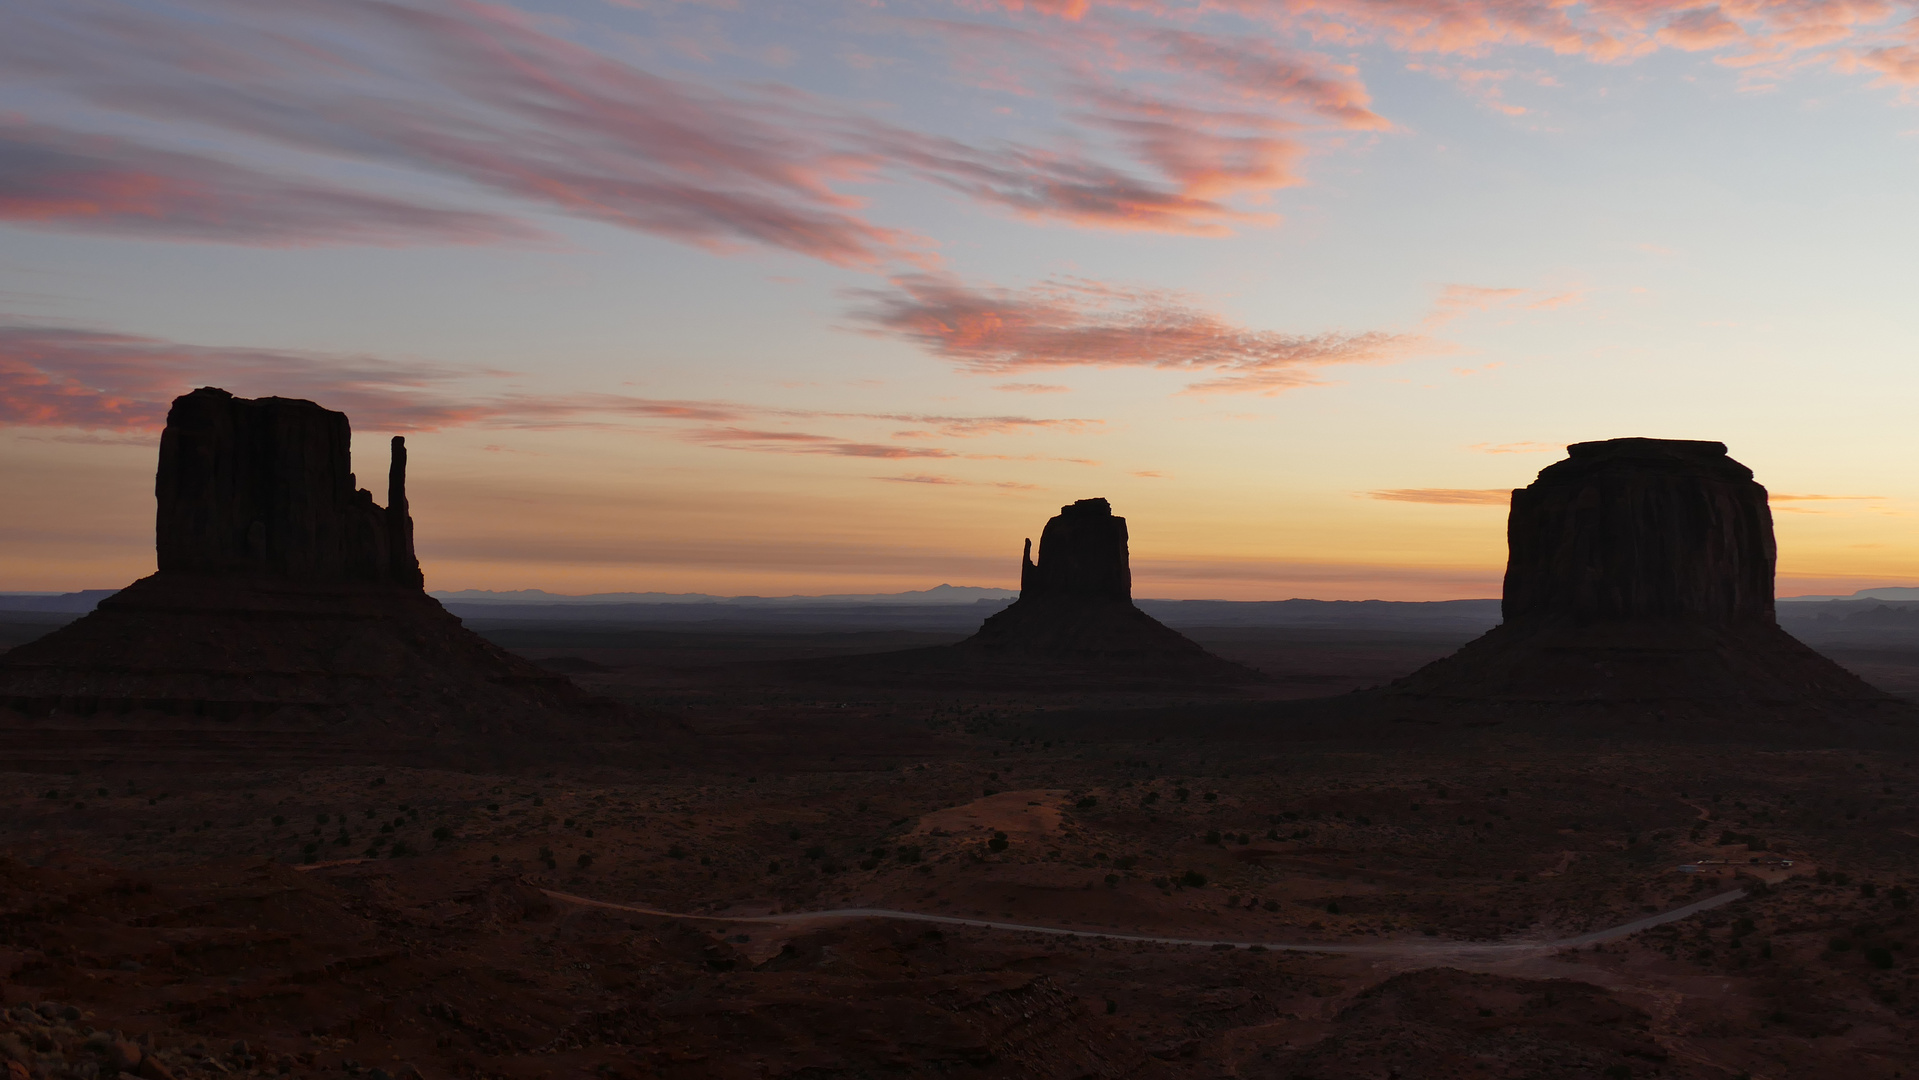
1032, 388
1457, 300
102, 381
947, 481
1087, 324
475, 93
52, 178
1744, 33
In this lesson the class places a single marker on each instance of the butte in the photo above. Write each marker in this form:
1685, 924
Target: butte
287, 624
1075, 610
1641, 571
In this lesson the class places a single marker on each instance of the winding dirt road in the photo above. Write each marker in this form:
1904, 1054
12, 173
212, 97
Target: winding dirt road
1426, 949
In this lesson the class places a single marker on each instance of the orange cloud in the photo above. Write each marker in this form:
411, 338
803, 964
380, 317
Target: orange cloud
1032, 388
947, 481
1088, 324
1447, 496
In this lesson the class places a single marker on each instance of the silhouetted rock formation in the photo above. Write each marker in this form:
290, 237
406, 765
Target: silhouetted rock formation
1639, 570
1076, 608
265, 487
288, 619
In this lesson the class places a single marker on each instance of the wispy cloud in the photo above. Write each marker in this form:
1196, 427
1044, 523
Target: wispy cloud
1032, 388
486, 98
52, 178
1078, 323
948, 481
1778, 497
1446, 496
59, 377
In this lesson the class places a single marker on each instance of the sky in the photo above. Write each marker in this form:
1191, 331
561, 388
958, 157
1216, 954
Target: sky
829, 297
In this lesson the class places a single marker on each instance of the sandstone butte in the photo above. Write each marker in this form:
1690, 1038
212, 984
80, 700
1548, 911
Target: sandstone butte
1076, 608
287, 622
1640, 570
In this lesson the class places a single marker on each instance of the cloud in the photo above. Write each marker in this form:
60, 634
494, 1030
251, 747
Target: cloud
1032, 388
1077, 323
801, 442
947, 481
1777, 497
1775, 35
51, 178
96, 380
492, 100
473, 93
1447, 496
1457, 300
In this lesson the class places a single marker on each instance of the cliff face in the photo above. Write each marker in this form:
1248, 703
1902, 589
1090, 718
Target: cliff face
265, 487
1641, 529
1639, 570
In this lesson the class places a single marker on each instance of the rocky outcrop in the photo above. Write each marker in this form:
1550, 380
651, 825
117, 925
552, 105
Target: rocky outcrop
287, 621
1076, 608
265, 488
1639, 570
1085, 556
1653, 529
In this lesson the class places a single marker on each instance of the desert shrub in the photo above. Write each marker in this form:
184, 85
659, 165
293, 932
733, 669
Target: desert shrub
1879, 958
1272, 834
493, 807
1332, 907
279, 820
1211, 796
773, 867
869, 864
1868, 890
1126, 862
673, 851
998, 842
909, 854
443, 833
1271, 905
378, 781
585, 860
1193, 879
816, 852
1151, 798
399, 849
1245, 839
1839, 944
1087, 802
1899, 896
1180, 794
539, 800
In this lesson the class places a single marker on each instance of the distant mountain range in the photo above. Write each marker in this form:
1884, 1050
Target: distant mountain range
1904, 593
938, 594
